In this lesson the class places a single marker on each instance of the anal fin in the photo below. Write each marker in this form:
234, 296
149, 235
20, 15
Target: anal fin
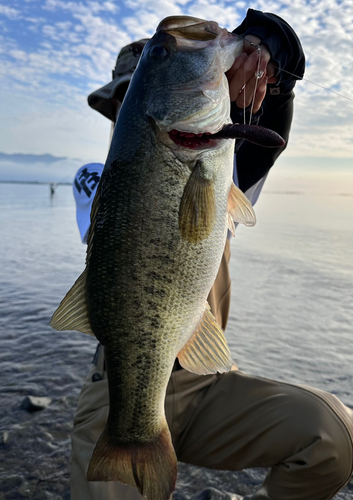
207, 350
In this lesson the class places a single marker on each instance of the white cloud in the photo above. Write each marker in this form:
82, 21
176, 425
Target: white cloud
142, 26
35, 20
9, 12
225, 15
153, 12
18, 54
62, 32
50, 31
161, 7
81, 7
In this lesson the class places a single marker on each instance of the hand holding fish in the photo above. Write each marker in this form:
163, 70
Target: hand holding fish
242, 76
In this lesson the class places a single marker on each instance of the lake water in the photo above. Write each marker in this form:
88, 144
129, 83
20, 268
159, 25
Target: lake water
291, 319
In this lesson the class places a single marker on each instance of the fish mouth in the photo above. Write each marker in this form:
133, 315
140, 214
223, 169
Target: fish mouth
189, 140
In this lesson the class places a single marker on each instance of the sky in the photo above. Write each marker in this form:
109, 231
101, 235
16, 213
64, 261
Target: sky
53, 53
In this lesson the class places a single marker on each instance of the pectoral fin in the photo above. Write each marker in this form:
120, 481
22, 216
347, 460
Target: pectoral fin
239, 209
207, 350
197, 210
72, 313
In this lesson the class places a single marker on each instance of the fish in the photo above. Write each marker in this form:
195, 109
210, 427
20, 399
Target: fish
159, 224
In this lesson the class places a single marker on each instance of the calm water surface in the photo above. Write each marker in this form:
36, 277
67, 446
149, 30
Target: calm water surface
291, 319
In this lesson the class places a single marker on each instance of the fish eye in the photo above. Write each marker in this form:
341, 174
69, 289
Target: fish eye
158, 52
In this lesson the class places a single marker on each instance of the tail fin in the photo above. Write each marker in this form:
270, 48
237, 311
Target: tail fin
151, 467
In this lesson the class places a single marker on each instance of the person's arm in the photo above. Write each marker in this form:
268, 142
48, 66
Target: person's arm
273, 101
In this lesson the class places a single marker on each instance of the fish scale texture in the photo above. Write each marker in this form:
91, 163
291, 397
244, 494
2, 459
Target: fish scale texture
147, 286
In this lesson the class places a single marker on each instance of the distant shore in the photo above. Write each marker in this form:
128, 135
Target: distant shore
37, 182
288, 192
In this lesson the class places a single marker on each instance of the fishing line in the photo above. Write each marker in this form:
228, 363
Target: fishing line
257, 78
258, 75
244, 93
317, 84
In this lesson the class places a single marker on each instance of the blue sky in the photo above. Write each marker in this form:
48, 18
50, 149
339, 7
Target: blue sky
55, 52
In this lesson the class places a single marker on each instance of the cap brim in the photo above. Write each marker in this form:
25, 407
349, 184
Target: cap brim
101, 99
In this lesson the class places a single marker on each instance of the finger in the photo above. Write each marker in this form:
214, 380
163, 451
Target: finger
254, 91
239, 61
264, 58
251, 63
261, 68
242, 77
250, 43
273, 79
260, 93
251, 68
253, 43
271, 70
246, 95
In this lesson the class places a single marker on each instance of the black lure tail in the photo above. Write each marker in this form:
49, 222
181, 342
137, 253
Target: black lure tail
260, 136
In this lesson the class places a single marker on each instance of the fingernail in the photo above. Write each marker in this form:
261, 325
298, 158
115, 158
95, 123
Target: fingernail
239, 61
250, 63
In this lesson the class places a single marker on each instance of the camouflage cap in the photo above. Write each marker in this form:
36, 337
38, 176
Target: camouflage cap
107, 100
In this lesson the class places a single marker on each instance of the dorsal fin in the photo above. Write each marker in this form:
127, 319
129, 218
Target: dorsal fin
72, 313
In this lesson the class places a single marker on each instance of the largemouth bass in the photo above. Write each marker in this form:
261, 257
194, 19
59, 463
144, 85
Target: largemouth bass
159, 224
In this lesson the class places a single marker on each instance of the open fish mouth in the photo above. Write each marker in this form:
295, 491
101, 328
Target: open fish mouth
253, 133
190, 140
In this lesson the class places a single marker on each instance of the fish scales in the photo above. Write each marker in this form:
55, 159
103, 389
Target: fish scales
154, 258
158, 228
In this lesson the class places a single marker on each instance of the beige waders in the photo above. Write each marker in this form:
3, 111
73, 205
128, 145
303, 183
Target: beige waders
231, 422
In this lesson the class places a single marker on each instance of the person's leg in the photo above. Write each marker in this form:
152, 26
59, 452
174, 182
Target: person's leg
89, 421
234, 421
